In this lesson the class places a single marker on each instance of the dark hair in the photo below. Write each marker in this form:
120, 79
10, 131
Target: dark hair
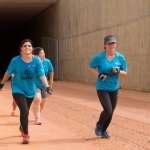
25, 40
37, 50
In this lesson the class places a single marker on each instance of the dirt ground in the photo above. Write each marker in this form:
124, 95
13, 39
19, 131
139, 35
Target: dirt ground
76, 108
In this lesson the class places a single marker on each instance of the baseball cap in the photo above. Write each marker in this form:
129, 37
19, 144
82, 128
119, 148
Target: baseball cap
109, 39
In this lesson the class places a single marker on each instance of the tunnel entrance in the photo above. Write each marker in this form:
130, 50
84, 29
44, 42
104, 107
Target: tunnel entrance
32, 19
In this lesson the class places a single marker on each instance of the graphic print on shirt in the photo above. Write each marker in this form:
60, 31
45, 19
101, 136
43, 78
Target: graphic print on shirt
27, 75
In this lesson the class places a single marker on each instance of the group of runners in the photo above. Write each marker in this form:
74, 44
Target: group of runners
32, 81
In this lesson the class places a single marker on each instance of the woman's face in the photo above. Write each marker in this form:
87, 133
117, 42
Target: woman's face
26, 48
110, 47
41, 55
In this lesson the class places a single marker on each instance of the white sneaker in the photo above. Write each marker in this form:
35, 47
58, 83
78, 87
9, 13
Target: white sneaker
38, 121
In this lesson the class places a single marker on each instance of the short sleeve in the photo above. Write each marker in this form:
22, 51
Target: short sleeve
123, 66
50, 66
94, 62
11, 67
40, 69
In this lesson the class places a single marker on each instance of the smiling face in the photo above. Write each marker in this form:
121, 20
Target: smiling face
110, 47
41, 54
26, 48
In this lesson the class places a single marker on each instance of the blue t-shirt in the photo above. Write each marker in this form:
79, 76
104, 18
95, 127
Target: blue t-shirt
104, 66
23, 81
47, 68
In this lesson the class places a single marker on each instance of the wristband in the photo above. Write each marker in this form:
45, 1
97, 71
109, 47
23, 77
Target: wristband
48, 90
101, 76
118, 70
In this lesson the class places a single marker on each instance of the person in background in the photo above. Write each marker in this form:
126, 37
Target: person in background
107, 66
26, 66
14, 111
40, 98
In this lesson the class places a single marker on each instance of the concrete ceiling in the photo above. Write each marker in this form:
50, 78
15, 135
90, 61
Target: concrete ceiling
14, 13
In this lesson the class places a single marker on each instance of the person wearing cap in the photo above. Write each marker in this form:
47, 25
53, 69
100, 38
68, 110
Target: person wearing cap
107, 66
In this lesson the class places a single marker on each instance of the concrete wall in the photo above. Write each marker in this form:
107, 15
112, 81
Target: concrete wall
83, 24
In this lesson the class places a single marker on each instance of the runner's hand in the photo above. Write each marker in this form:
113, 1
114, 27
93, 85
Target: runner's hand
48, 90
116, 70
102, 76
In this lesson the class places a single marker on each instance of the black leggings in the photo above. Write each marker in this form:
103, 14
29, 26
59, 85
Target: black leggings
24, 104
108, 101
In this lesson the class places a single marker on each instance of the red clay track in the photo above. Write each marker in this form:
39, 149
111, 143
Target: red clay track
69, 119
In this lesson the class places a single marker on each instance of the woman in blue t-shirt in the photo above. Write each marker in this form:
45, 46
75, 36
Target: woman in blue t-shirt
25, 67
107, 66
40, 98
